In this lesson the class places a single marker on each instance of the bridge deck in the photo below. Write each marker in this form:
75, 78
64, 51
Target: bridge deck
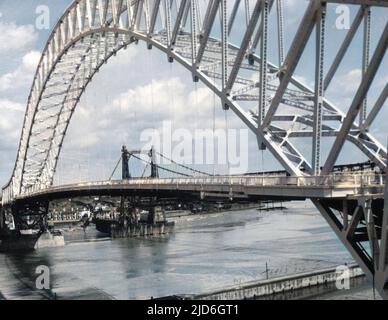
334, 186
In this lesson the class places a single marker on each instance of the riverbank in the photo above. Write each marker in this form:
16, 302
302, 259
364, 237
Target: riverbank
265, 206
299, 286
361, 291
204, 254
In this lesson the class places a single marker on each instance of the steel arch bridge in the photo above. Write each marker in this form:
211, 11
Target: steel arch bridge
266, 96
92, 31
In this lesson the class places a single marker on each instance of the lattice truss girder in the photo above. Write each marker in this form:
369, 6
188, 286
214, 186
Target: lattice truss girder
196, 34
362, 226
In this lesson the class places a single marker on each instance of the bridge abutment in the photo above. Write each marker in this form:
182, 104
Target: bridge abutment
22, 225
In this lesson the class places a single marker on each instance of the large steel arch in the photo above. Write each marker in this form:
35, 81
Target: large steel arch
267, 98
92, 31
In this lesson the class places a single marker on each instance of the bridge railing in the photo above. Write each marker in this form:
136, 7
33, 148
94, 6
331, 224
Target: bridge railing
356, 182
351, 180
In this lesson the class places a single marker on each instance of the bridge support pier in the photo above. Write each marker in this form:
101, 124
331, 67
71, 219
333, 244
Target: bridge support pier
22, 225
22, 217
31, 215
362, 226
132, 223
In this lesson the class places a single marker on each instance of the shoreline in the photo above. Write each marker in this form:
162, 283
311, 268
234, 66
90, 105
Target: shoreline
256, 206
286, 287
298, 217
303, 286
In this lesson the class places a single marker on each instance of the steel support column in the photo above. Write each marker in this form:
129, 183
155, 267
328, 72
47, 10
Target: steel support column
167, 12
194, 32
280, 21
225, 47
263, 64
365, 59
319, 92
259, 32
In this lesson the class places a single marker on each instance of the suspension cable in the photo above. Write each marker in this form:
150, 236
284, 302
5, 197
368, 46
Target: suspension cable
159, 167
144, 171
114, 170
183, 166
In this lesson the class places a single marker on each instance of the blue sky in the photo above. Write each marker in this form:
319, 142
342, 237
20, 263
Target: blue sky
108, 116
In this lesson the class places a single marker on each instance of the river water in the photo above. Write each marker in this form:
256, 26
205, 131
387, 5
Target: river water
204, 253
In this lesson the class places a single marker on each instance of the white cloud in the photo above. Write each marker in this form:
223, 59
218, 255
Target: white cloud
98, 129
11, 119
165, 99
349, 82
381, 82
154, 97
305, 81
10, 105
292, 4
23, 74
31, 60
344, 87
144, 107
14, 37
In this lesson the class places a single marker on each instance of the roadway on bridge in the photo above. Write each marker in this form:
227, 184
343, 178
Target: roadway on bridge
254, 187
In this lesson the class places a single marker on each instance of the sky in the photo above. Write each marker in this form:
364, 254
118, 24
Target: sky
139, 91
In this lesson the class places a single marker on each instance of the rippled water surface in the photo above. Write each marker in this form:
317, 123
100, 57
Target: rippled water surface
204, 253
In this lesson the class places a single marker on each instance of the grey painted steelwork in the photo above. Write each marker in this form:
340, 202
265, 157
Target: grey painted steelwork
337, 186
319, 92
351, 231
90, 32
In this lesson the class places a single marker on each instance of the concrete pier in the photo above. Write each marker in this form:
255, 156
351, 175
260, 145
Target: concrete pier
18, 242
141, 230
49, 240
